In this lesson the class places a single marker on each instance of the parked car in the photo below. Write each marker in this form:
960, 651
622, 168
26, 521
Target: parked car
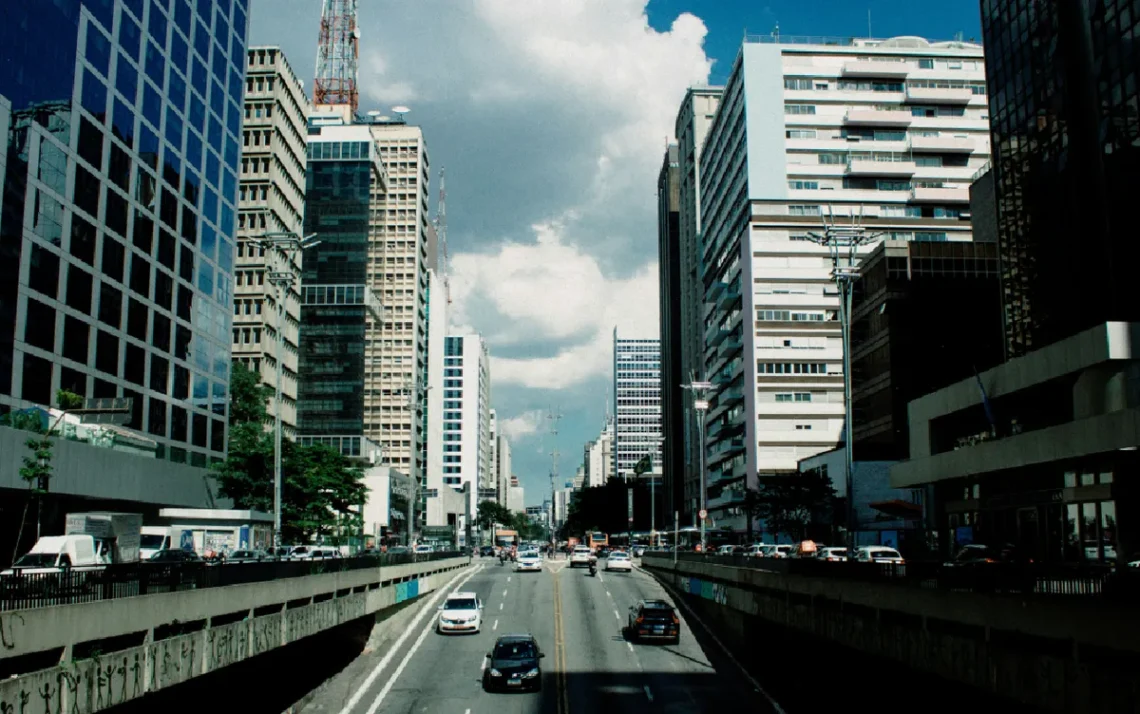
172, 555
832, 554
248, 556
879, 554
775, 551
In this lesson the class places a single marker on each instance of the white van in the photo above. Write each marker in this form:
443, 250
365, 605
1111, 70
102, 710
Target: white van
152, 540
53, 554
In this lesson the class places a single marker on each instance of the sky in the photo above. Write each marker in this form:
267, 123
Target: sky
551, 118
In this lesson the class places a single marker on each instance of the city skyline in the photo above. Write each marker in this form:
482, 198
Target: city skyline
574, 201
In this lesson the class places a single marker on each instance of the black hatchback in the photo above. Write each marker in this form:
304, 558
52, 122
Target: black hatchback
513, 664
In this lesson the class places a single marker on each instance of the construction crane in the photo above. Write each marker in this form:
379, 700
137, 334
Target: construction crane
441, 234
338, 53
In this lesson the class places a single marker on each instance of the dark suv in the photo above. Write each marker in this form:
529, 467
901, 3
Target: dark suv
654, 620
513, 664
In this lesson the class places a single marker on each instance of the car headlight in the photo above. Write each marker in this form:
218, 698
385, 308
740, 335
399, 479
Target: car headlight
495, 672
532, 674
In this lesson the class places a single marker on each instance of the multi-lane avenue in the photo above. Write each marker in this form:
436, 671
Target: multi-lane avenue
590, 666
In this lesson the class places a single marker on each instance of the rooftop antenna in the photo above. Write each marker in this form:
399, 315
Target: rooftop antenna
441, 233
338, 53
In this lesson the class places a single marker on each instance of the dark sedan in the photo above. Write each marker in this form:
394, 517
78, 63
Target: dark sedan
654, 620
513, 664
171, 555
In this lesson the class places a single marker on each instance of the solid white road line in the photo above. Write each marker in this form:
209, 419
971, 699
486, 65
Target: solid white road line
399, 670
617, 616
629, 645
429, 606
600, 578
496, 625
608, 594
648, 694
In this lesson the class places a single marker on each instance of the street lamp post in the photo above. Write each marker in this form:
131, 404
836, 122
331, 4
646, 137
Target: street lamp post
843, 243
700, 391
287, 244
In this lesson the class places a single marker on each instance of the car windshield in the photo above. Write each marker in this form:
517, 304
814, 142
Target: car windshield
37, 560
460, 604
515, 650
581, 551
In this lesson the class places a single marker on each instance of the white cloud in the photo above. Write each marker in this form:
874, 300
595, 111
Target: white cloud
523, 425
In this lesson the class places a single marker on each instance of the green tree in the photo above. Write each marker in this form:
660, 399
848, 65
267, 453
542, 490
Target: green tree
795, 503
487, 513
37, 469
321, 489
752, 507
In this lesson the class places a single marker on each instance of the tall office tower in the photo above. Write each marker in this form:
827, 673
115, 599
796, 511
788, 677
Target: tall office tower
693, 121
433, 411
672, 394
516, 496
598, 461
1063, 94
271, 205
337, 303
467, 415
123, 125
396, 380
637, 404
502, 467
887, 133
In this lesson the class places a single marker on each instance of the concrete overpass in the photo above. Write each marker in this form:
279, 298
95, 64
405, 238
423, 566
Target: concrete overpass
90, 656
1077, 652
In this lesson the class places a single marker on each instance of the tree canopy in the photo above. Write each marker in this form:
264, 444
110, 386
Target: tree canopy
794, 504
321, 489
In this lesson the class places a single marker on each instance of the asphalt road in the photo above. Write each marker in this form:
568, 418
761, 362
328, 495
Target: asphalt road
589, 665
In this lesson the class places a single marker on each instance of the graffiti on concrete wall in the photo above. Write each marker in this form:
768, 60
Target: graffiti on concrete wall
708, 590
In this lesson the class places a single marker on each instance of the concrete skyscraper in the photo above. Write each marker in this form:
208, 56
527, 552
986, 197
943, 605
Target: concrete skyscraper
637, 404
271, 201
693, 121
886, 133
467, 416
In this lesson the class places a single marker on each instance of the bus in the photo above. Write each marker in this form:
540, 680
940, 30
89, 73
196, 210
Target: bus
596, 540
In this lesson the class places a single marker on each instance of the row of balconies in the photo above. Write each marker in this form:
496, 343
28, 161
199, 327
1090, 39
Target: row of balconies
958, 96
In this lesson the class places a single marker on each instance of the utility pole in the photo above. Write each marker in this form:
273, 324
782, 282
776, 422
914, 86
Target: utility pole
700, 392
843, 243
553, 416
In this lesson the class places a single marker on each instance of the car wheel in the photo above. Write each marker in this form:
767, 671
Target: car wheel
486, 684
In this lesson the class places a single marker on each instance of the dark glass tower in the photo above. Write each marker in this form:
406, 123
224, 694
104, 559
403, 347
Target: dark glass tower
122, 121
672, 396
1065, 121
336, 301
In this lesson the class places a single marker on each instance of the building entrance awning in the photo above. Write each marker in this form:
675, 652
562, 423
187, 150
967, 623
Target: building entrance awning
899, 509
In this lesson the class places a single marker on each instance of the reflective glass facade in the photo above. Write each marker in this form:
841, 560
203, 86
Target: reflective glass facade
1065, 121
336, 302
119, 192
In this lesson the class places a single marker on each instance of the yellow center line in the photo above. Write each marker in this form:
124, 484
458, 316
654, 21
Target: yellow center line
560, 651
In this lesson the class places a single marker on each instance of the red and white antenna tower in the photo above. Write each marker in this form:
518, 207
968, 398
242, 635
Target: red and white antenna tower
338, 52
441, 234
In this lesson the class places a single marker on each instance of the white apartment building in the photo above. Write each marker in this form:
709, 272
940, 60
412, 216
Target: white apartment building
433, 400
396, 379
467, 415
502, 467
693, 121
637, 404
271, 201
885, 132
598, 459
516, 497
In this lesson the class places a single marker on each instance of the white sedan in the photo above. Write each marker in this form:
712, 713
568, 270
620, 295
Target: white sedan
528, 561
619, 561
460, 612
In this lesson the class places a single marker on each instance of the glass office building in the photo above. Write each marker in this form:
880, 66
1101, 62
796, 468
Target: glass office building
1065, 119
122, 120
336, 302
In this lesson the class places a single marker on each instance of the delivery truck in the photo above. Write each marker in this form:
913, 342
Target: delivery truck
116, 535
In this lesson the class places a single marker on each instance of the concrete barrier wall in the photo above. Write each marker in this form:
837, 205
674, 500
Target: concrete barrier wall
1035, 653
107, 679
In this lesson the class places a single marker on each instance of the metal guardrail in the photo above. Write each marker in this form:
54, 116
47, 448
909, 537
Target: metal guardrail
1037, 580
31, 590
